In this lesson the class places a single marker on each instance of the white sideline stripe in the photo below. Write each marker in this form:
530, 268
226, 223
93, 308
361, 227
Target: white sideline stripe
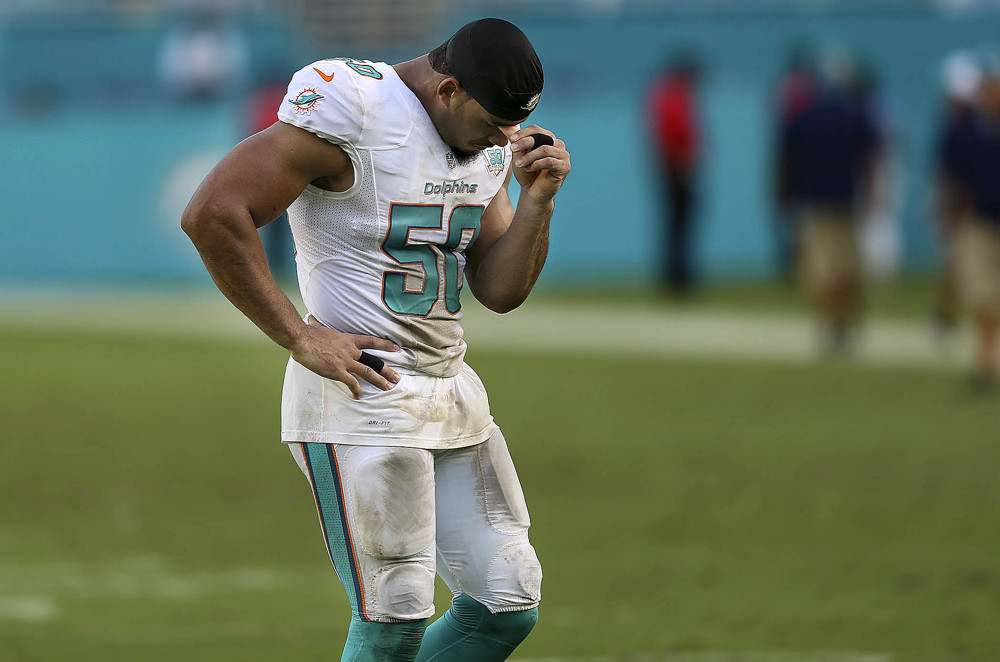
728, 656
554, 328
643, 332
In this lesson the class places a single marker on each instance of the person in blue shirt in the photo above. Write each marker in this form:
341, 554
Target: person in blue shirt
825, 154
962, 78
971, 165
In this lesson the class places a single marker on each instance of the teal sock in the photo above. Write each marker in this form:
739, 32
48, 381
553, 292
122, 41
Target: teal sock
368, 641
468, 631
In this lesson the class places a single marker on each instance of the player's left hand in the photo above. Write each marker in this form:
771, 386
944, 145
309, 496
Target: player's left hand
539, 170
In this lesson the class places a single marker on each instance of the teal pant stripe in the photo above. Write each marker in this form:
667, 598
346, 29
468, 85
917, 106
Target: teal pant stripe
324, 472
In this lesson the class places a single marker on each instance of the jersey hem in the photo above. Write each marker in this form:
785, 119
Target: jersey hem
358, 439
512, 608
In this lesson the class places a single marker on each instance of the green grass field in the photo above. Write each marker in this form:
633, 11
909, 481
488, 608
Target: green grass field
680, 507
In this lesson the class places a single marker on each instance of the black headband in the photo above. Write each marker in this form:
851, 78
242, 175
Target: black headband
497, 66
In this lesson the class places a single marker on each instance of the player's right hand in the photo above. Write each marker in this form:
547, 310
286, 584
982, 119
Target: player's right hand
539, 170
335, 355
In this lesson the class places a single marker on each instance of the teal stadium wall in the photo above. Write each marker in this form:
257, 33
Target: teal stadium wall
96, 164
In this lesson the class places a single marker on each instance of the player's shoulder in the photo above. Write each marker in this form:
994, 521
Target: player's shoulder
364, 77
365, 100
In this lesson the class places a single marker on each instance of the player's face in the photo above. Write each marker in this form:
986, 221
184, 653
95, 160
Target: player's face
473, 129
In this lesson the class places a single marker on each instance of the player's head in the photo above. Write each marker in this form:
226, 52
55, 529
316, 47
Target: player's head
489, 81
961, 75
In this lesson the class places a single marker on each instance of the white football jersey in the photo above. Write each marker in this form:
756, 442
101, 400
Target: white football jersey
386, 257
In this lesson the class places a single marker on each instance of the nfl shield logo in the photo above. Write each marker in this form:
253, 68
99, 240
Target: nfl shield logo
494, 161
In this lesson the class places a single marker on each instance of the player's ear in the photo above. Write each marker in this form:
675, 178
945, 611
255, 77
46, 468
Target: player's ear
450, 92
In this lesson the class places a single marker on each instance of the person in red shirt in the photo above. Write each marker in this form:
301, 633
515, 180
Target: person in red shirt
673, 116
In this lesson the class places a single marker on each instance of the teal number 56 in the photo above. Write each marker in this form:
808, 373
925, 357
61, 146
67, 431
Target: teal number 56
438, 261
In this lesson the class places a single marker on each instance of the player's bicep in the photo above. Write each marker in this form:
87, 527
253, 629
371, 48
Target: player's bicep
495, 221
267, 171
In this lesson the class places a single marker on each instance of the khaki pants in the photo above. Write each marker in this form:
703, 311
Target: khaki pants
976, 256
828, 250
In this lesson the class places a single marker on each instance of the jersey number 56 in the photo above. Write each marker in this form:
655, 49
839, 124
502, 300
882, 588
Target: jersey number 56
439, 262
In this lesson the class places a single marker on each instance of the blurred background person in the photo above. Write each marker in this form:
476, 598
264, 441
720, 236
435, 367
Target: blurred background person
880, 245
961, 77
204, 58
674, 123
825, 156
971, 167
795, 92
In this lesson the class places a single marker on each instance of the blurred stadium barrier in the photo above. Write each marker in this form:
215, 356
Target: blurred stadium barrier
97, 162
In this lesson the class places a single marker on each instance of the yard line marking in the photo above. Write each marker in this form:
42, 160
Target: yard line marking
241, 631
140, 576
28, 609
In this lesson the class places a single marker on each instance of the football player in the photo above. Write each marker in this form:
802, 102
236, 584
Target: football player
395, 180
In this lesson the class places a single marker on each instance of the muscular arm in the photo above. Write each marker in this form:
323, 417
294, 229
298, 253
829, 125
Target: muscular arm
249, 188
225, 212
510, 252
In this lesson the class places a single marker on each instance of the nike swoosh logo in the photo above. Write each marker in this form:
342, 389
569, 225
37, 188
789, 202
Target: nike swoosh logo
324, 76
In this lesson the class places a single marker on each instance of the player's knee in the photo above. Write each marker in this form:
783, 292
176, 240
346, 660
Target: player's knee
515, 578
405, 591
513, 627
508, 627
